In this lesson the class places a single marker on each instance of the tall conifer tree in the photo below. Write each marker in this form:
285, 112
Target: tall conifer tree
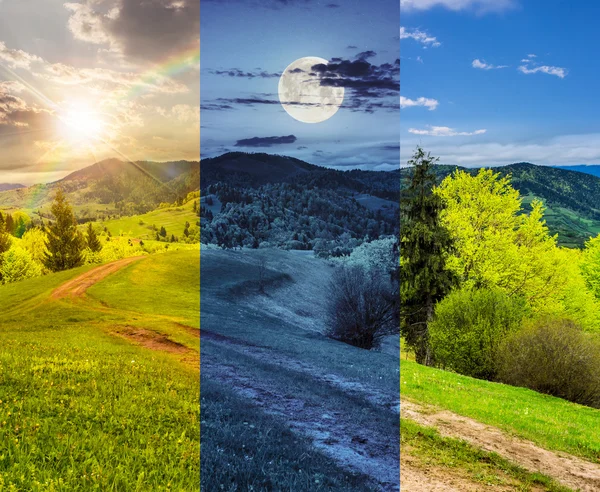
65, 242
424, 246
92, 239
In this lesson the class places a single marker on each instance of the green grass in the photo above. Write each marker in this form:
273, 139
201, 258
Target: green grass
173, 219
549, 422
488, 469
157, 285
85, 410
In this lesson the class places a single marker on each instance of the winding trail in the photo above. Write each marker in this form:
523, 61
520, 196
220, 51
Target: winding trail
566, 469
368, 449
77, 286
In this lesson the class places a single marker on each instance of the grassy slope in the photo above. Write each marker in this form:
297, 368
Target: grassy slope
550, 422
173, 219
222, 411
85, 410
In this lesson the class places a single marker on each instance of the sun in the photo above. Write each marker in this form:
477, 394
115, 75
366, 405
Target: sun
81, 124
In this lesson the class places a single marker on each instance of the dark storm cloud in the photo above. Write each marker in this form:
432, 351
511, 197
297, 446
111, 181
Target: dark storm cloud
236, 72
223, 104
351, 47
297, 70
265, 141
141, 29
146, 28
391, 147
302, 147
367, 83
332, 6
366, 55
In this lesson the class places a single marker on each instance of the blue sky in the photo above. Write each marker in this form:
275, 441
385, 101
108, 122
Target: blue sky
242, 39
485, 100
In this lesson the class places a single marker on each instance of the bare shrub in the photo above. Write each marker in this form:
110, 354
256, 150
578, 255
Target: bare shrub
362, 308
556, 357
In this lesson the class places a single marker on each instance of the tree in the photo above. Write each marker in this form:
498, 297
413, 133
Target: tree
497, 245
5, 240
65, 242
424, 245
17, 264
163, 231
34, 241
92, 239
362, 306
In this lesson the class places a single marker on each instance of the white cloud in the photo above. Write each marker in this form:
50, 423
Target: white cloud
17, 58
419, 36
558, 71
479, 6
477, 63
564, 149
425, 102
444, 131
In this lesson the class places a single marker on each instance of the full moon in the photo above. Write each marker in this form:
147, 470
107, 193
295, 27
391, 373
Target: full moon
302, 95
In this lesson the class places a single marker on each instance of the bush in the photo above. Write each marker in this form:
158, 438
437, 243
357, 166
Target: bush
363, 307
17, 264
556, 357
469, 327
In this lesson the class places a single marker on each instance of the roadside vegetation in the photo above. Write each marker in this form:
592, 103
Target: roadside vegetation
487, 292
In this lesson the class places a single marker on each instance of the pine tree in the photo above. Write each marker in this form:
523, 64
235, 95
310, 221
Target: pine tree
20, 227
65, 242
9, 224
425, 243
163, 231
92, 239
5, 240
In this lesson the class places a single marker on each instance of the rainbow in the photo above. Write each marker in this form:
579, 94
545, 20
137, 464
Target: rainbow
174, 65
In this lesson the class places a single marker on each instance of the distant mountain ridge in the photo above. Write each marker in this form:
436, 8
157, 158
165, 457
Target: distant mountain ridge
572, 198
125, 187
10, 186
593, 169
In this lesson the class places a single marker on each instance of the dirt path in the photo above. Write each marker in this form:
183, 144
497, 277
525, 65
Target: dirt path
77, 286
369, 449
571, 471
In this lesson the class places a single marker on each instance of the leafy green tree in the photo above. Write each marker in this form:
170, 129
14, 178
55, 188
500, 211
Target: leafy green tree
424, 244
17, 264
497, 245
65, 242
34, 241
469, 328
92, 239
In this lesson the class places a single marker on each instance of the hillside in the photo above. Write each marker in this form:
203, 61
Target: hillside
10, 186
112, 399
593, 169
111, 187
572, 198
266, 364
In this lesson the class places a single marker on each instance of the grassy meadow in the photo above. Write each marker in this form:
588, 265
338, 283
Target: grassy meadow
83, 406
173, 219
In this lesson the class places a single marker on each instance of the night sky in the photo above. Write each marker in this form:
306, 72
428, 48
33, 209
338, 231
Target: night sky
247, 44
